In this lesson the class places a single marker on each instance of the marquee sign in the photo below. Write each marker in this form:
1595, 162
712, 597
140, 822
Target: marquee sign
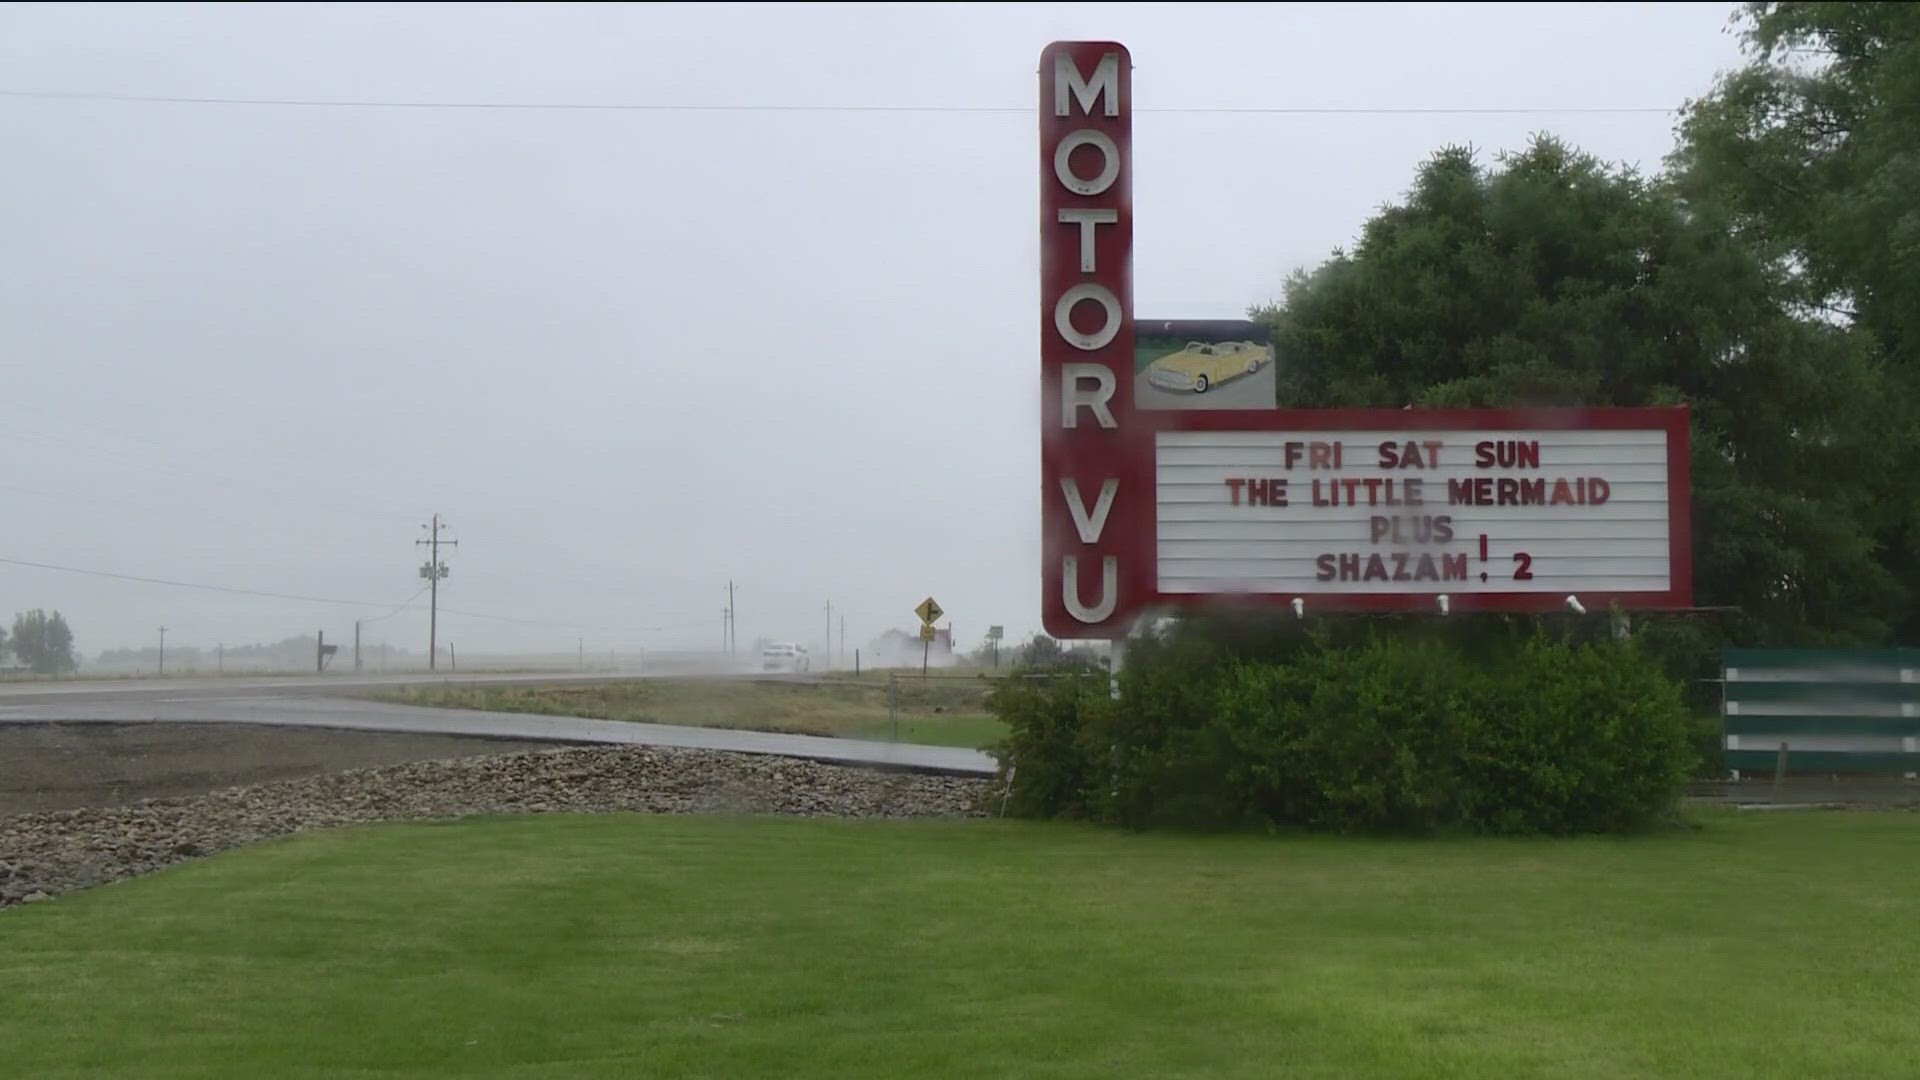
1170, 479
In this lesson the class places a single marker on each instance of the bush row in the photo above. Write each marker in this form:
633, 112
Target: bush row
1393, 733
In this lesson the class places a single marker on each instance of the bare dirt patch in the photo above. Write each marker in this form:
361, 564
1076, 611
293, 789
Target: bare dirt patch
67, 766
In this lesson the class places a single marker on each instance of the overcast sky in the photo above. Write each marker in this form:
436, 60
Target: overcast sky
629, 355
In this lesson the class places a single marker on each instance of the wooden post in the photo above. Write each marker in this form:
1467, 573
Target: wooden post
1779, 771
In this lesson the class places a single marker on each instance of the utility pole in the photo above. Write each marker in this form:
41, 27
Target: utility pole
733, 624
829, 642
433, 571
843, 635
163, 650
356, 644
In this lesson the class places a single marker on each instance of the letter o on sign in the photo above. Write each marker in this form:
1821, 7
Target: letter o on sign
1063, 316
1109, 162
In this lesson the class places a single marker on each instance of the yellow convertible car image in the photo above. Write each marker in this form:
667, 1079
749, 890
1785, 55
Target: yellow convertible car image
1201, 365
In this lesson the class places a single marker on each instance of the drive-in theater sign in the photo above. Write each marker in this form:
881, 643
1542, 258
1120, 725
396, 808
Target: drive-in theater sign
1171, 478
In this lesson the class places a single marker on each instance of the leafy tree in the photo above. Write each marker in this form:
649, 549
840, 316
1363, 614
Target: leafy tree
1811, 147
1811, 151
44, 642
1039, 651
1556, 280
1042, 651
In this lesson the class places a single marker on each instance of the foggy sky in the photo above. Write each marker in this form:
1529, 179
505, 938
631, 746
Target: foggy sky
629, 355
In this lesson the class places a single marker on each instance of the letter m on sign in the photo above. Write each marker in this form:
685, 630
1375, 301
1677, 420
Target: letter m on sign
1069, 86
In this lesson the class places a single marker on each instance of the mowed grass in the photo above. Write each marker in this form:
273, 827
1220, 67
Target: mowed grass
940, 710
1776, 945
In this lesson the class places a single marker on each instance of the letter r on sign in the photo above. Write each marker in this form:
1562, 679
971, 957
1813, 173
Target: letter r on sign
1073, 398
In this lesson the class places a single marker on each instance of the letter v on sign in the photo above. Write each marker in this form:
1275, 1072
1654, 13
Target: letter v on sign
1089, 526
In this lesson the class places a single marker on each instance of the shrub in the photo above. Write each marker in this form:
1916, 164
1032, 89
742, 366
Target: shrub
1408, 732
1044, 751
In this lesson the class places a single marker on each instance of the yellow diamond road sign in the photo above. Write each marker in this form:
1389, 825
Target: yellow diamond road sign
929, 611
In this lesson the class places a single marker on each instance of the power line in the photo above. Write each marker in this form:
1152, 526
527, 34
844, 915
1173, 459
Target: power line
717, 107
396, 609
549, 625
195, 585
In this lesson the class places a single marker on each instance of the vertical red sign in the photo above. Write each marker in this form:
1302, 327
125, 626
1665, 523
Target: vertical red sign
1096, 482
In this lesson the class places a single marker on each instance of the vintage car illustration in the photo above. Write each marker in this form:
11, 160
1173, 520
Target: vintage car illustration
1202, 365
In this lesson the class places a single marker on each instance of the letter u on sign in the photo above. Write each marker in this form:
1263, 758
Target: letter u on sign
1109, 589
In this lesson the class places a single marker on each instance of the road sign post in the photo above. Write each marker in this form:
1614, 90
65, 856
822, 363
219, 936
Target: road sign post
929, 612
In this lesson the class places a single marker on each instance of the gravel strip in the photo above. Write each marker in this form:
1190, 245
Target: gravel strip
53, 766
46, 854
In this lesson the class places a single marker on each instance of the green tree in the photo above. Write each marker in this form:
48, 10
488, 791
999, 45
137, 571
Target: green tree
43, 642
1811, 151
1556, 280
1040, 651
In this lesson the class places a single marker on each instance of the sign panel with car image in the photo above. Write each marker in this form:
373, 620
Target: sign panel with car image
1203, 364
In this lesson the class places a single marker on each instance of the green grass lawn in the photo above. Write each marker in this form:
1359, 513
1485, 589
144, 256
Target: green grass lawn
940, 710
1776, 945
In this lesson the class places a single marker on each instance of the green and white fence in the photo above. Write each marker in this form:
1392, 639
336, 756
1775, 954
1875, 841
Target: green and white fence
1854, 711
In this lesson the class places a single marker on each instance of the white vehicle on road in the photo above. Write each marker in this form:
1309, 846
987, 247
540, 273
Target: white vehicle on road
785, 656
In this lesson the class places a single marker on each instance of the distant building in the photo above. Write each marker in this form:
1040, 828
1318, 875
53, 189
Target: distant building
900, 648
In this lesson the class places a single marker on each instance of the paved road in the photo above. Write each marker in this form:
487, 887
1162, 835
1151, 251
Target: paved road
313, 702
